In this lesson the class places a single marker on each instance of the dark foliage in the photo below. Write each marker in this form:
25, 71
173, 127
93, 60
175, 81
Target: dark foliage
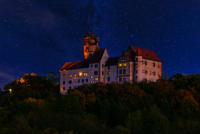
34, 106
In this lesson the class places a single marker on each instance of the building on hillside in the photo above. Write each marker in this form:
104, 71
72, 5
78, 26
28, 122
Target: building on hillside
134, 65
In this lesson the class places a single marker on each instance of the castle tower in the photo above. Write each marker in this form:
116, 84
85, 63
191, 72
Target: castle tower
91, 44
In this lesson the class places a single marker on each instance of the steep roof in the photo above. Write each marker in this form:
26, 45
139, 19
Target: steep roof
112, 61
96, 57
74, 65
145, 53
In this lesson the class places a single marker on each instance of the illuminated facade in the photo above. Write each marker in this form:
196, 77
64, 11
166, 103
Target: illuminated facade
135, 64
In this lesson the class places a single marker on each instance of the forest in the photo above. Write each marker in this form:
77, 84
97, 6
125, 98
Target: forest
33, 105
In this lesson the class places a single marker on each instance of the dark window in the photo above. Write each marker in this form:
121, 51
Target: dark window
108, 67
136, 71
86, 80
154, 64
120, 71
87, 49
102, 65
124, 79
95, 72
63, 82
124, 71
154, 73
70, 82
82, 80
120, 79
63, 88
136, 77
70, 87
102, 73
96, 65
91, 66
136, 59
108, 78
78, 81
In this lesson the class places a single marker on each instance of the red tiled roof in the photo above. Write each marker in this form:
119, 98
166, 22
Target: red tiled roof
95, 58
74, 65
145, 53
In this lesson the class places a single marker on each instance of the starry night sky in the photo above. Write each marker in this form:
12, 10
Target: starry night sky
41, 35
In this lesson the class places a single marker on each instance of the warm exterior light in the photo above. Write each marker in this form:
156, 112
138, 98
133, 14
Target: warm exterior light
10, 90
21, 80
96, 79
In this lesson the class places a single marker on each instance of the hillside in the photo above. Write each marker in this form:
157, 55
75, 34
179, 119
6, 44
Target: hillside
34, 106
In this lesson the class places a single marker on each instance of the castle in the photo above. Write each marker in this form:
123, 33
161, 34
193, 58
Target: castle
134, 65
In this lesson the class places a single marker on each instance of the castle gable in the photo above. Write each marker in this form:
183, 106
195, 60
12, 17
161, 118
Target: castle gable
145, 53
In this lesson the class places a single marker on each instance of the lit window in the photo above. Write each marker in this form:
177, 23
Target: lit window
108, 73
69, 75
80, 74
120, 65
64, 75
85, 74
75, 75
91, 77
124, 64
96, 79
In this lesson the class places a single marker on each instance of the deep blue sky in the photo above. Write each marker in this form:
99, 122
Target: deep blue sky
41, 35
